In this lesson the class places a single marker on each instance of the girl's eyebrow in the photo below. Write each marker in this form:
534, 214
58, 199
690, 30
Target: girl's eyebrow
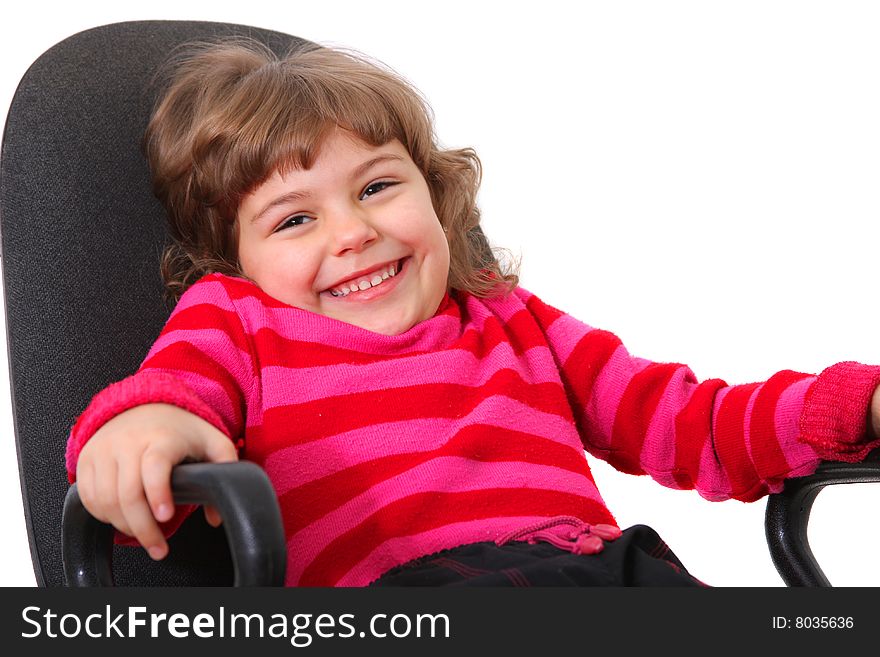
284, 199
294, 196
361, 169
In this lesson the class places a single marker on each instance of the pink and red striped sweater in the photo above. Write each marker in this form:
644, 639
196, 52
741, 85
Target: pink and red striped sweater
469, 426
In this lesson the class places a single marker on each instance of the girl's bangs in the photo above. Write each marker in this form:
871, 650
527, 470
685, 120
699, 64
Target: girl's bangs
294, 139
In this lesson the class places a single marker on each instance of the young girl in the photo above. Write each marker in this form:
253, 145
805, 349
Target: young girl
342, 323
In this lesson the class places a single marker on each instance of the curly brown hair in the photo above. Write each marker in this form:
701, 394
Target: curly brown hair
234, 112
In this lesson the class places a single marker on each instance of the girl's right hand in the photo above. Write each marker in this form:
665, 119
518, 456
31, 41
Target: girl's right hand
124, 471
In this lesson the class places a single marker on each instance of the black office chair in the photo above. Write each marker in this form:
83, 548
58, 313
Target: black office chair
81, 235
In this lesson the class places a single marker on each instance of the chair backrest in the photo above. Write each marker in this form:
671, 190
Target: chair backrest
81, 238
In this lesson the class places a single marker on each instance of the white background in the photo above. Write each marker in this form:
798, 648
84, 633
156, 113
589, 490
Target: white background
701, 178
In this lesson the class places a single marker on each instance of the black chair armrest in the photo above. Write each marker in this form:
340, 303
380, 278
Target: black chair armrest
788, 514
240, 491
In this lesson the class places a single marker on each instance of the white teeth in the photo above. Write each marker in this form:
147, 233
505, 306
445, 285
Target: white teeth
377, 279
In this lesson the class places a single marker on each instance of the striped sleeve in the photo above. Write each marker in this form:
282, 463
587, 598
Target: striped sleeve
200, 362
725, 441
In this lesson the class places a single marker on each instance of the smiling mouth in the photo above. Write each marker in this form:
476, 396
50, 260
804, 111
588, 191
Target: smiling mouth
376, 278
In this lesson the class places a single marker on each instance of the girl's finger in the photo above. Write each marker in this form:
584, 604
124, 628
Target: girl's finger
85, 486
155, 470
212, 515
105, 496
136, 511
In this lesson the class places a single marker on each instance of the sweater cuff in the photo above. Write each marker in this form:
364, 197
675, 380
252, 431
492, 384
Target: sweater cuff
145, 387
836, 416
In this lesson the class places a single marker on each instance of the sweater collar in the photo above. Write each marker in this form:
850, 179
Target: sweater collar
437, 332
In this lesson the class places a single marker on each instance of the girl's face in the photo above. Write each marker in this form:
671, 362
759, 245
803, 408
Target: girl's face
355, 237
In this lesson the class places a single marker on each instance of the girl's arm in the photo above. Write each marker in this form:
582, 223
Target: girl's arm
187, 400
725, 441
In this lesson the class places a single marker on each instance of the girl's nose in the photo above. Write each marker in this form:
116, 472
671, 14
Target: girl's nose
352, 231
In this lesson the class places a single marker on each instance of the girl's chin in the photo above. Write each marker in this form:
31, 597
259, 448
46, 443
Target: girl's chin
381, 325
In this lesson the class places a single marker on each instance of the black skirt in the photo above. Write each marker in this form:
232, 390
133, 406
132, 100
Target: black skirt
638, 558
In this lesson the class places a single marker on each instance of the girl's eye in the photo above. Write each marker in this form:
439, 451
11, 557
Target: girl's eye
376, 187
300, 219
295, 220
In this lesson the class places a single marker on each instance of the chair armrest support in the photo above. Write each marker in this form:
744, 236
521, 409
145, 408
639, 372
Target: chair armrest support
788, 514
240, 491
